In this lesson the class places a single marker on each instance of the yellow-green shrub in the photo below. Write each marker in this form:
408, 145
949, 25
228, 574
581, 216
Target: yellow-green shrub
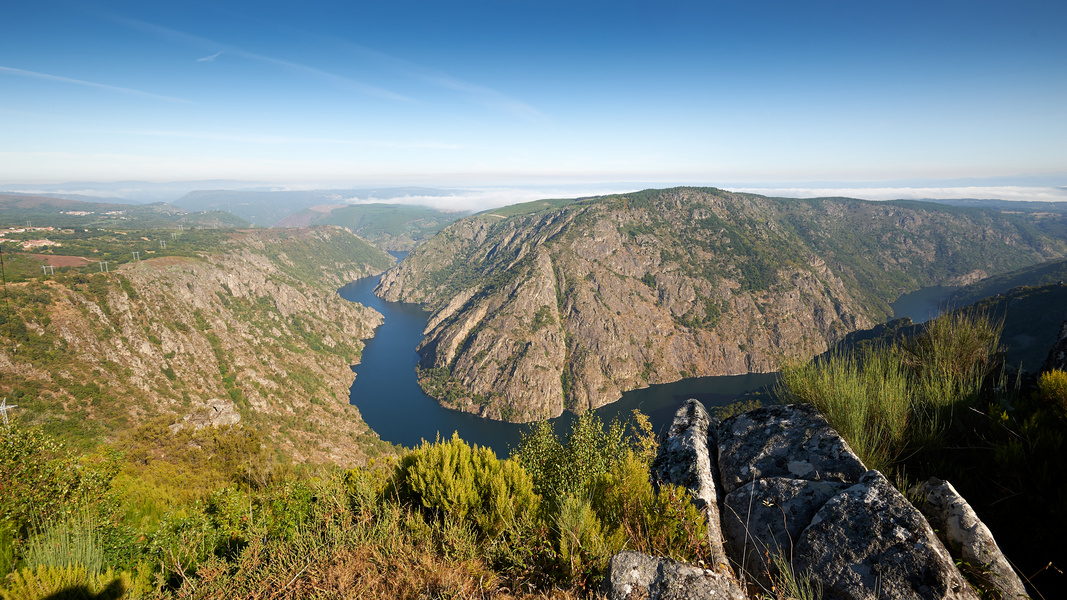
463, 482
71, 581
1053, 386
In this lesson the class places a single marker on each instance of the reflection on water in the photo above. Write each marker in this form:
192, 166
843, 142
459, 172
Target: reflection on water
393, 404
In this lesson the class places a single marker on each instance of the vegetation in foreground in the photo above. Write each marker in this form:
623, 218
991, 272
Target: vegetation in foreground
942, 405
206, 515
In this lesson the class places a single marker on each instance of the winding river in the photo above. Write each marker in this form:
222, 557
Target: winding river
393, 404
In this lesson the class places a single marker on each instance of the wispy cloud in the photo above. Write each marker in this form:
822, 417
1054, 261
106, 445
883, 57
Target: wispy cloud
482, 94
285, 140
113, 88
210, 58
194, 40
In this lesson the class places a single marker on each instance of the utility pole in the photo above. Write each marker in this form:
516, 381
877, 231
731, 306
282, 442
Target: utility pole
103, 267
4, 408
163, 244
46, 268
136, 256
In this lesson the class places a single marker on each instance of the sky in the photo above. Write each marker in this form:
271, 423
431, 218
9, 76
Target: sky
760, 95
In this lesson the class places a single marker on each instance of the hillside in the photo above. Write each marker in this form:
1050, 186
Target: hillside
268, 208
396, 227
1034, 276
18, 209
252, 318
565, 304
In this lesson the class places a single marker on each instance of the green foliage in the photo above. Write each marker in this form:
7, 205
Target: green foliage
41, 481
661, 524
891, 399
865, 397
70, 582
1053, 387
70, 540
543, 318
570, 467
467, 484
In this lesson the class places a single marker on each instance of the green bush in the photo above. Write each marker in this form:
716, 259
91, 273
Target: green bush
462, 482
72, 582
1053, 386
569, 468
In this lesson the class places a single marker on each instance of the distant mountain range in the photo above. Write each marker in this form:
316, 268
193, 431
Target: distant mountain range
18, 210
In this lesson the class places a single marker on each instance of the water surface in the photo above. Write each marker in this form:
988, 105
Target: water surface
922, 304
393, 404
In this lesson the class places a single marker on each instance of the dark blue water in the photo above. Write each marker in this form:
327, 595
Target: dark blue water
393, 404
922, 304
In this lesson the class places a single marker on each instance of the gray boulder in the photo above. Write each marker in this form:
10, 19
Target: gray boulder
636, 576
684, 459
967, 538
764, 518
792, 441
869, 542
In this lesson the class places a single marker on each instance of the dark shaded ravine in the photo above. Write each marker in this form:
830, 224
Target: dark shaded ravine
393, 404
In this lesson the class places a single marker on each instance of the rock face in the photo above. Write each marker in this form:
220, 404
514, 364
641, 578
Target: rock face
563, 306
1057, 357
869, 542
636, 576
796, 495
968, 538
685, 459
213, 413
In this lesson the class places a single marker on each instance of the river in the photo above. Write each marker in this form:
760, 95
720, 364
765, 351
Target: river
922, 304
393, 404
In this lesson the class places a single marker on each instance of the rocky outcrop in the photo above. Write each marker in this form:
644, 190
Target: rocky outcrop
968, 538
565, 305
1057, 356
869, 542
798, 498
213, 413
636, 576
685, 459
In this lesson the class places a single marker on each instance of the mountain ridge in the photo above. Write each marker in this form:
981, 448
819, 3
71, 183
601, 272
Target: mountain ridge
566, 306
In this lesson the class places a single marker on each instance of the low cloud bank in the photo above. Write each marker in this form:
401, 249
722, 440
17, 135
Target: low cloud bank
475, 200
1017, 193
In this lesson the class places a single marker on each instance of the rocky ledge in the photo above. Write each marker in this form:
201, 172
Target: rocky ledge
782, 489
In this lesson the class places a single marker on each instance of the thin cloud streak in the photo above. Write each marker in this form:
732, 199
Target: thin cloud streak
113, 88
280, 139
485, 95
210, 58
194, 40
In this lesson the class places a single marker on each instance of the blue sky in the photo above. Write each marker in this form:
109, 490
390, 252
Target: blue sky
510, 92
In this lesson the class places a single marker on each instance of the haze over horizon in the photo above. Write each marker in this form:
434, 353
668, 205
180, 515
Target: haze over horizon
774, 96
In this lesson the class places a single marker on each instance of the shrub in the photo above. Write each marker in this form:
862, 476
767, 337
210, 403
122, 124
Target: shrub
462, 482
661, 524
72, 581
569, 468
1053, 386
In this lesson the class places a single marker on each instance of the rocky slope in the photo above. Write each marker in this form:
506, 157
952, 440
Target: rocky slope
563, 305
257, 322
